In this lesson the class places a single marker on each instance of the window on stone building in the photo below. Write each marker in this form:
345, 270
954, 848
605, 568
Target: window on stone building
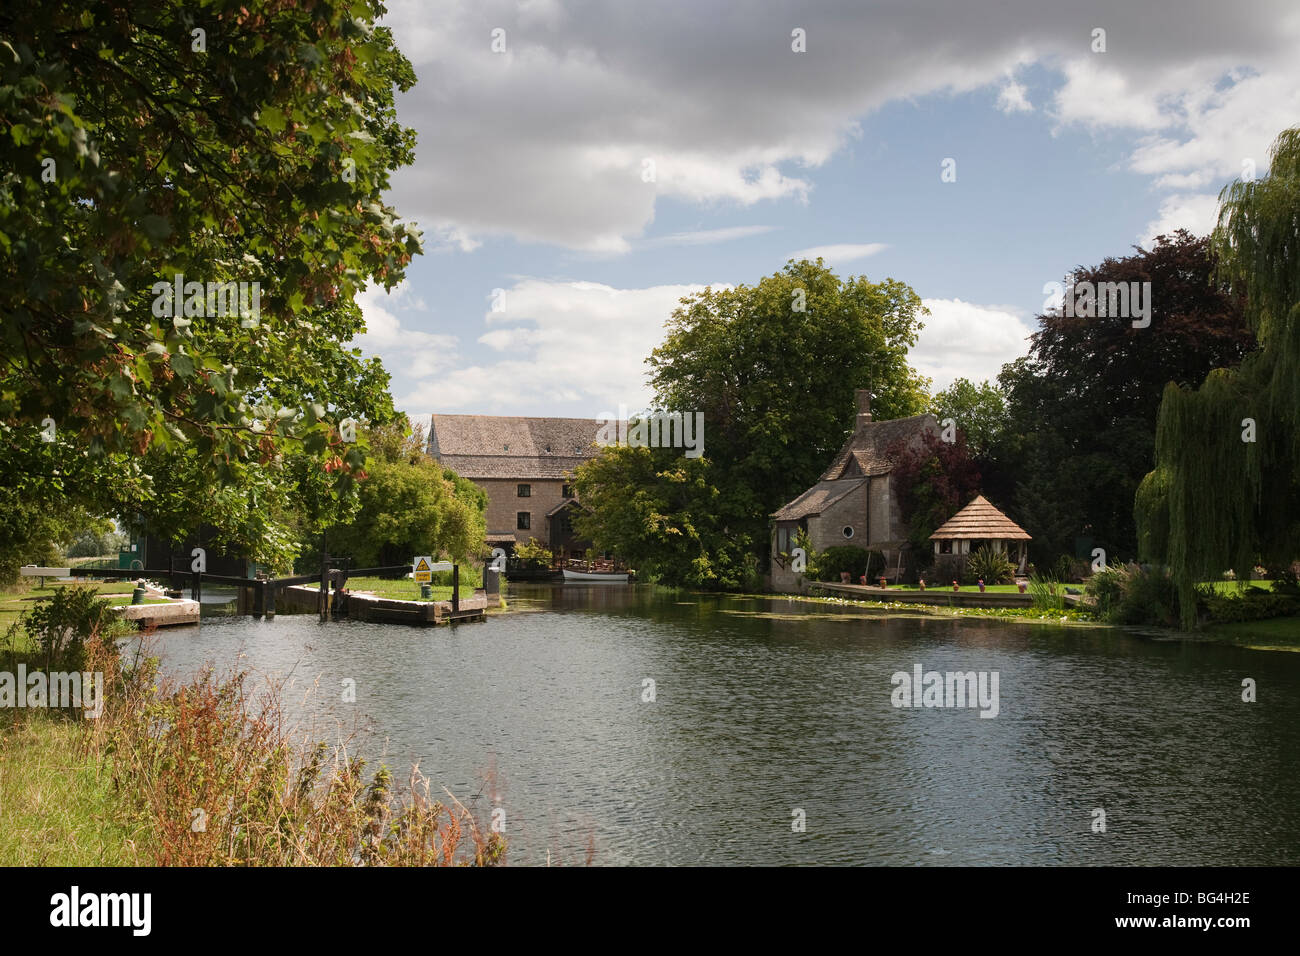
523, 520
847, 531
524, 491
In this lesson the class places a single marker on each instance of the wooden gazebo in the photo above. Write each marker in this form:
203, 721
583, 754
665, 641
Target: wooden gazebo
977, 524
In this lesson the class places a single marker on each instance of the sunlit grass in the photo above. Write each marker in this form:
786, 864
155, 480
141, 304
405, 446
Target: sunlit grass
57, 805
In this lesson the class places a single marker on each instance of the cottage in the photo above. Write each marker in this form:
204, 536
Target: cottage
524, 465
854, 502
977, 525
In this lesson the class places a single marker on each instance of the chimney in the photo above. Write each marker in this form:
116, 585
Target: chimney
863, 398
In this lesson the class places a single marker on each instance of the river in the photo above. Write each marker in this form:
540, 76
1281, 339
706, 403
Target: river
772, 736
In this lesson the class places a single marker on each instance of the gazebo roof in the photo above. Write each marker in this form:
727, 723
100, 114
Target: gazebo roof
980, 519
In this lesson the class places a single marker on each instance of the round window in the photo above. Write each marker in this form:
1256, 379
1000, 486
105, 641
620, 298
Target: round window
848, 531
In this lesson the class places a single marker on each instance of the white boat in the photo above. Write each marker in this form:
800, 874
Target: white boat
608, 577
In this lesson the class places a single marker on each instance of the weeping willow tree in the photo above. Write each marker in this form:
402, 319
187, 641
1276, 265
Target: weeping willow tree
1225, 492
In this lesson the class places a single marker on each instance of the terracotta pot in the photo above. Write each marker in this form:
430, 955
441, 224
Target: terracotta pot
956, 586
1021, 585
922, 584
981, 585
883, 584
844, 578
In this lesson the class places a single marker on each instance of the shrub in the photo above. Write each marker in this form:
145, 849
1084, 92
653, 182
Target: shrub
533, 554
1134, 594
991, 566
855, 560
208, 751
1107, 589
60, 627
1252, 604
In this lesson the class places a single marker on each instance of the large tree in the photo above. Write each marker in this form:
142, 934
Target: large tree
235, 141
978, 412
1225, 490
1082, 405
773, 368
663, 514
410, 505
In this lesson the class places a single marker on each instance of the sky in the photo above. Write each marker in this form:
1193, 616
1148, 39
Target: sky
582, 166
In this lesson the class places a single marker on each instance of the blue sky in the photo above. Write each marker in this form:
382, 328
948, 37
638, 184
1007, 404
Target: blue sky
529, 168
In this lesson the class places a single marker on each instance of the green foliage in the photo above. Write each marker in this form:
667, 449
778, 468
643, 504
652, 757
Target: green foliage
662, 513
222, 165
991, 566
1047, 594
1082, 406
1250, 604
407, 508
934, 479
96, 540
1216, 498
776, 387
1135, 594
533, 553
60, 627
979, 412
857, 561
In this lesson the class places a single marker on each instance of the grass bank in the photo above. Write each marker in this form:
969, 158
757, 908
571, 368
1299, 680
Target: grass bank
58, 805
200, 773
405, 589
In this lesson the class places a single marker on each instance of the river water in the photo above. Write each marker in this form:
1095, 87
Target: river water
771, 714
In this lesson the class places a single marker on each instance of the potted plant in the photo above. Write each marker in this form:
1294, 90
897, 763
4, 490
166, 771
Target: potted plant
922, 584
956, 586
981, 585
845, 578
1021, 586
883, 585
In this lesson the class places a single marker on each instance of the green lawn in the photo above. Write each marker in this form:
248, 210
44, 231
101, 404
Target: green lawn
936, 586
14, 602
1231, 587
1280, 632
403, 589
57, 803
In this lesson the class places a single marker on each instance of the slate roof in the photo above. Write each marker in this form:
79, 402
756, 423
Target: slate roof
864, 453
500, 446
818, 498
980, 519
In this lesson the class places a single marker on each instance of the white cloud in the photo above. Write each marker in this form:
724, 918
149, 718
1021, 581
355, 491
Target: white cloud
1012, 98
703, 237
1196, 213
576, 344
840, 252
546, 142
964, 340
403, 351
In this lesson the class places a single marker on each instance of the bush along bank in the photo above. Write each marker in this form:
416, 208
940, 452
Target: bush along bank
202, 773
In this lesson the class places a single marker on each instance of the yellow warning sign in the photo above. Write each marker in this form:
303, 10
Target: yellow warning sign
422, 570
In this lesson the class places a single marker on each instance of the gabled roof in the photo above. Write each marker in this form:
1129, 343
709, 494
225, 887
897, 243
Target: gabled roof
817, 499
865, 451
500, 446
980, 519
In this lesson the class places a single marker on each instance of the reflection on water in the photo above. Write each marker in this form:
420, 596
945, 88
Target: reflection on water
767, 706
